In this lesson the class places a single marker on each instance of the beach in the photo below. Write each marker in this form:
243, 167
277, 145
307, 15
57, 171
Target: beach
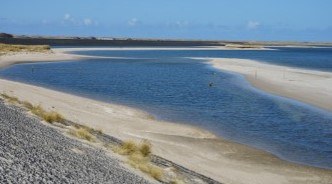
191, 147
308, 86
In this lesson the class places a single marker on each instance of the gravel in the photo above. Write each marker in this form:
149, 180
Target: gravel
31, 152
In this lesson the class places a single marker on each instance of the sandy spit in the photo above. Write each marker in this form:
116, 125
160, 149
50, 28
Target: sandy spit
189, 146
309, 86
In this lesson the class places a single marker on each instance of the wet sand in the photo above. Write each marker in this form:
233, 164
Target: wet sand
191, 147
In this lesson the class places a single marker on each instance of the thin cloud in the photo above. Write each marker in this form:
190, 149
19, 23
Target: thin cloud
133, 22
253, 24
182, 23
67, 16
70, 20
178, 24
87, 22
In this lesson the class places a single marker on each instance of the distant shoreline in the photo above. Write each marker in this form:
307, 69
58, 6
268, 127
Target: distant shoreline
141, 42
194, 148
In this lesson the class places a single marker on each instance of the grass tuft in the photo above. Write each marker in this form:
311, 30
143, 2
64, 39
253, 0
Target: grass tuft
52, 116
27, 105
154, 171
131, 148
10, 99
127, 148
82, 133
49, 117
139, 157
37, 110
145, 148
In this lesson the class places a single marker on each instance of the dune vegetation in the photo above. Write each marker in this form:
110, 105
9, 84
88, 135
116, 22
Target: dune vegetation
9, 48
82, 133
138, 155
48, 116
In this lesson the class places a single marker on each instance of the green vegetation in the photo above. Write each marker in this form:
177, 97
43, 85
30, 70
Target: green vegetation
8, 48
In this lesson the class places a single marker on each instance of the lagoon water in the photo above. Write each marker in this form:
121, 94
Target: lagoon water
308, 58
174, 88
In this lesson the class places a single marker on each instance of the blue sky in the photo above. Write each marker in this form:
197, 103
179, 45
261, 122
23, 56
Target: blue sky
298, 20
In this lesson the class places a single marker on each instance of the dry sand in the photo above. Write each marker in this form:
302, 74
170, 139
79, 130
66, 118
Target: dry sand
309, 86
191, 147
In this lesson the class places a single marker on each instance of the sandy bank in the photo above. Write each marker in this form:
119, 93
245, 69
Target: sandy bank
309, 86
54, 55
7, 60
191, 147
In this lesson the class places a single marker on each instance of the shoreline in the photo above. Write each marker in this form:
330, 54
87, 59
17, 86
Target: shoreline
158, 48
236, 163
308, 86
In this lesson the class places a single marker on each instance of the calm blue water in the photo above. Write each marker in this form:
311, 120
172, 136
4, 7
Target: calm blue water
308, 58
176, 89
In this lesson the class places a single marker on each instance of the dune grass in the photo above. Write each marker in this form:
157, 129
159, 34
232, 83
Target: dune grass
10, 99
138, 155
9, 48
27, 105
82, 133
49, 117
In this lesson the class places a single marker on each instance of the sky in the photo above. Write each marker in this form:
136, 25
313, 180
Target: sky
265, 20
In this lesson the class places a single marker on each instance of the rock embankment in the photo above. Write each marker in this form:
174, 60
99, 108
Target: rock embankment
31, 152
